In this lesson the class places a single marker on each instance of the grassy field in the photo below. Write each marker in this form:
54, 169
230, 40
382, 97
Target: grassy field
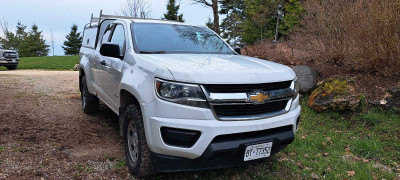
48, 63
329, 145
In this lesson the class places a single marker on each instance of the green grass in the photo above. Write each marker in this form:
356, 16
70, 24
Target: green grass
329, 145
48, 63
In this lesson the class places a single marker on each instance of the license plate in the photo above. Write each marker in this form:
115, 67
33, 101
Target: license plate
257, 151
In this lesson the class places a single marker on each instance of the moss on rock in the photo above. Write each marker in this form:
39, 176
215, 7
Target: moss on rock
335, 94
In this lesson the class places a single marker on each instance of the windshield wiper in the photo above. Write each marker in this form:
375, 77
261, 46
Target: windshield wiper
153, 52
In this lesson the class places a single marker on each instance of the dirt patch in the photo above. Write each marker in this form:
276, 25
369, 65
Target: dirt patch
44, 133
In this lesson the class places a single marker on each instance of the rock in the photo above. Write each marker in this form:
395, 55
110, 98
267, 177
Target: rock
307, 78
391, 99
335, 94
76, 67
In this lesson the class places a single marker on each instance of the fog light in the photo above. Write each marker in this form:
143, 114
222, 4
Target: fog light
179, 137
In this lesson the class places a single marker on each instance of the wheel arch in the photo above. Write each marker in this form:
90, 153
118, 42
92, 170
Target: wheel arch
126, 98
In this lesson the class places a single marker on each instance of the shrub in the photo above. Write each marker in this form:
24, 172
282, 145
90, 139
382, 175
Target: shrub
361, 34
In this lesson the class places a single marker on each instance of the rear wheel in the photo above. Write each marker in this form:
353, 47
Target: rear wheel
136, 150
90, 103
12, 67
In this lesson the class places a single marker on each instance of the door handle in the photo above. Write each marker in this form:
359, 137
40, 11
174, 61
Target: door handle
103, 63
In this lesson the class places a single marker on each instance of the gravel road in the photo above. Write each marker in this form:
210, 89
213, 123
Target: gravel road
45, 135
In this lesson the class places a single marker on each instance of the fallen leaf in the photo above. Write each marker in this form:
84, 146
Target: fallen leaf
324, 143
326, 154
303, 137
351, 173
305, 155
328, 138
314, 176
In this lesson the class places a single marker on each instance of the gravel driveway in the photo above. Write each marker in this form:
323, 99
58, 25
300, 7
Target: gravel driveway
44, 133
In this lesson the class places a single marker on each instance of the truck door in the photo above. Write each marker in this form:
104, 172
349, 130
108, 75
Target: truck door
114, 75
102, 68
111, 68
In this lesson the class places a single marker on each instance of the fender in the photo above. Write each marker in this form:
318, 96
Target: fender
85, 68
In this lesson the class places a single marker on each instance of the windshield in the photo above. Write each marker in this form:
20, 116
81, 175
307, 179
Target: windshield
152, 38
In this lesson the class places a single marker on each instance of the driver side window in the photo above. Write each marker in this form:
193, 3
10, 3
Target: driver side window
118, 37
106, 36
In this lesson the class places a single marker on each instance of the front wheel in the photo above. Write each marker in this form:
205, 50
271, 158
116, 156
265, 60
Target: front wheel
136, 150
12, 67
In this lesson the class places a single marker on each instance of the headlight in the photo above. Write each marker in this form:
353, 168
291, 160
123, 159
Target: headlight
181, 93
296, 88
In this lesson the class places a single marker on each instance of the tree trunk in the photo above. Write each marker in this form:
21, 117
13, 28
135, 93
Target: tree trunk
216, 16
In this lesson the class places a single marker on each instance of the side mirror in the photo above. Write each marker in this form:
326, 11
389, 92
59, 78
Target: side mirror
237, 50
110, 50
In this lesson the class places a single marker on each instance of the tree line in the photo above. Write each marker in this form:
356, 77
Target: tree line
30, 43
244, 22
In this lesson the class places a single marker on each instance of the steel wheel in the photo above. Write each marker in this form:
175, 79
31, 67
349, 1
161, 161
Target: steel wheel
133, 142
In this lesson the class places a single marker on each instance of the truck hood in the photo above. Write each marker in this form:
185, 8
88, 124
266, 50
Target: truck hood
221, 69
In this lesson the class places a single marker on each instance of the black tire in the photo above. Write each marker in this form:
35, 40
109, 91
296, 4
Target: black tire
90, 103
142, 166
12, 67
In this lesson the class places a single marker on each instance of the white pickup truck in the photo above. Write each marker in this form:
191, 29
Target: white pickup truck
186, 100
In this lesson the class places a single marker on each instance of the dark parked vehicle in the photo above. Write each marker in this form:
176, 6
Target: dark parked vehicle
9, 59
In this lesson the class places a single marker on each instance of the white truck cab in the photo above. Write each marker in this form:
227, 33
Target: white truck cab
186, 100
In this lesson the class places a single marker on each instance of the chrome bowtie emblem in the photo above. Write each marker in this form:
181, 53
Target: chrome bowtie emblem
258, 97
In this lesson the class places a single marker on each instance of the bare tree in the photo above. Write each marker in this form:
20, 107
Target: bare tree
136, 8
4, 26
215, 6
52, 41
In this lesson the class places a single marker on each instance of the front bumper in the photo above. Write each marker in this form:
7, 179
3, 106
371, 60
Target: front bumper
173, 115
8, 62
225, 151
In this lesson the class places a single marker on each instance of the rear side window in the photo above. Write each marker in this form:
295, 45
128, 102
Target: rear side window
89, 37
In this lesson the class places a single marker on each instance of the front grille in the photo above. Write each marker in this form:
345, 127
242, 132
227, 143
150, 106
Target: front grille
10, 55
249, 109
244, 88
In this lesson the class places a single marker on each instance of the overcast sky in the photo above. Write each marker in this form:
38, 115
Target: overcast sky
59, 15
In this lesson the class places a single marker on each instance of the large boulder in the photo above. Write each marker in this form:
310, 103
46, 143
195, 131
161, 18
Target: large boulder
335, 94
307, 78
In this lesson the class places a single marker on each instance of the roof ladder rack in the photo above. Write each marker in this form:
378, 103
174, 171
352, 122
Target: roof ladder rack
102, 17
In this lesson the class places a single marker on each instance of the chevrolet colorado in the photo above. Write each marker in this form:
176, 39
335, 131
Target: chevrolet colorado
186, 100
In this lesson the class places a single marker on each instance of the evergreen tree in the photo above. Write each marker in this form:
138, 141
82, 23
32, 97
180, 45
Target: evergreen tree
33, 44
210, 23
293, 12
73, 43
172, 12
232, 24
13, 41
255, 20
